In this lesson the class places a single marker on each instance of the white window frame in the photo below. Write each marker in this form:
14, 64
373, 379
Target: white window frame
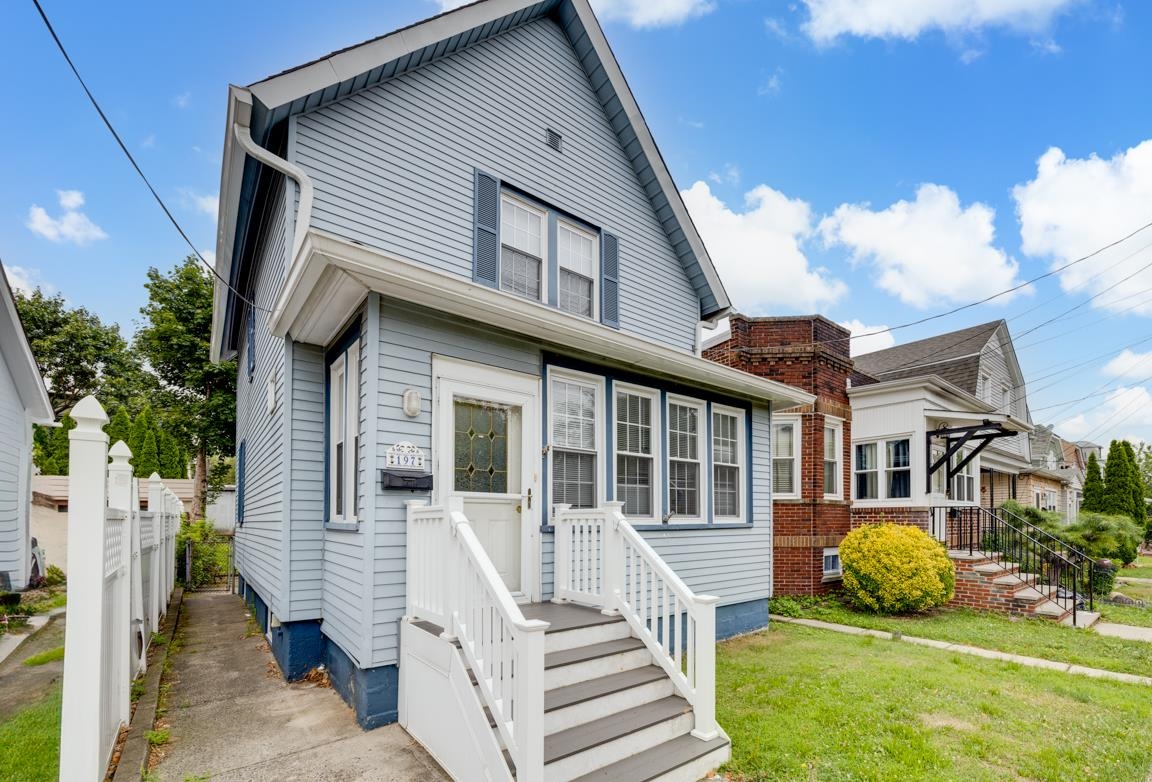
1006, 399
741, 463
585, 379
344, 387
507, 197
878, 469
832, 575
964, 482
887, 469
576, 229
784, 420
984, 389
837, 426
703, 444
940, 477
657, 426
883, 468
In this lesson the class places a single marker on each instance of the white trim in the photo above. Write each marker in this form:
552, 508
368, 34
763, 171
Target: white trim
837, 425
741, 463
703, 446
657, 434
597, 383
374, 270
882, 468
797, 449
19, 359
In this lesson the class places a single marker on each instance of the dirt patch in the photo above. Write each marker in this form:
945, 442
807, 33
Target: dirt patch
22, 685
936, 721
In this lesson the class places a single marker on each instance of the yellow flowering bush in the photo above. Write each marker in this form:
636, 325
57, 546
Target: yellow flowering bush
893, 569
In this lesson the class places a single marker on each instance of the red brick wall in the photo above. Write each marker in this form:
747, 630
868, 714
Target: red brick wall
810, 353
917, 517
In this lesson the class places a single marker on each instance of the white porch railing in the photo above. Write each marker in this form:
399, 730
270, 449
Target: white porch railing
453, 583
602, 561
108, 628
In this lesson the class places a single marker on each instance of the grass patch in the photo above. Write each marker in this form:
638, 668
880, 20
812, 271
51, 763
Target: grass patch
41, 601
30, 741
157, 738
1135, 591
45, 657
1126, 615
803, 704
1142, 569
1030, 637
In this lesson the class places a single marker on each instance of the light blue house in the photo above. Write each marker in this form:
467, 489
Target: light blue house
461, 277
23, 402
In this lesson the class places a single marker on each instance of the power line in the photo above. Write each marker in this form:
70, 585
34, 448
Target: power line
132, 160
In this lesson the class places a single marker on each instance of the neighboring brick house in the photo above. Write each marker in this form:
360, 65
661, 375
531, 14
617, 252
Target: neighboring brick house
811, 486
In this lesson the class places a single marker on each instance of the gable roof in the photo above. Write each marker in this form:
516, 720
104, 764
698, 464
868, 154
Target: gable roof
954, 356
17, 356
364, 65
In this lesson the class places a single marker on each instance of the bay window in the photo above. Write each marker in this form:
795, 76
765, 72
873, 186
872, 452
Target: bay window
866, 473
898, 472
883, 470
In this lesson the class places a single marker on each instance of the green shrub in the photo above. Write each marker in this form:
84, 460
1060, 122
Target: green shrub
791, 607
209, 553
1103, 578
1046, 520
895, 569
1105, 537
54, 576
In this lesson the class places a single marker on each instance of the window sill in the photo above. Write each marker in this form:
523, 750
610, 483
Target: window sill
342, 526
697, 526
831, 577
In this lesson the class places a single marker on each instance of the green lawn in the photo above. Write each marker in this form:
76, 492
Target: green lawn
1143, 569
1030, 637
1135, 591
803, 704
30, 742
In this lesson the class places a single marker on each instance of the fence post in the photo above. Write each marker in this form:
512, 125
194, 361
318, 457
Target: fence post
156, 507
612, 575
120, 498
138, 648
705, 665
81, 756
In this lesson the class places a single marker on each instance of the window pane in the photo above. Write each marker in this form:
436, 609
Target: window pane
727, 490
633, 423
682, 432
574, 293
634, 484
831, 479
782, 476
575, 251
480, 457
899, 454
521, 228
339, 479
899, 484
866, 485
573, 415
866, 456
684, 485
519, 273
724, 439
830, 450
782, 442
574, 479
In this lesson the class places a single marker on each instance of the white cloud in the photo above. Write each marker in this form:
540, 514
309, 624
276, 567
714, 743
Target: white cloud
637, 13
928, 251
772, 84
758, 251
207, 204
777, 28
27, 280
182, 101
870, 343
728, 175
1074, 207
1125, 410
149, 141
907, 19
969, 56
71, 226
1129, 365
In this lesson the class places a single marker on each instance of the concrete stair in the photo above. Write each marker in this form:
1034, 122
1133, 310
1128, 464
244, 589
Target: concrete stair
986, 582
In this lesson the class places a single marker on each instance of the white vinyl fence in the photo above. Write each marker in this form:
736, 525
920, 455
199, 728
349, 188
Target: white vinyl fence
121, 570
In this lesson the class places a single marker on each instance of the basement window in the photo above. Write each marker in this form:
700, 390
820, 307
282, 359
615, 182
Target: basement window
832, 569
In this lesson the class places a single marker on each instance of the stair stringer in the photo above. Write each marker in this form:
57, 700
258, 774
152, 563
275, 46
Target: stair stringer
439, 707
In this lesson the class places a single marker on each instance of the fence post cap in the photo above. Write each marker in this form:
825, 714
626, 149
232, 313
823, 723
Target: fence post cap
120, 452
154, 477
89, 414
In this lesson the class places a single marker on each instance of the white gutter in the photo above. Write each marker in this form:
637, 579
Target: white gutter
239, 131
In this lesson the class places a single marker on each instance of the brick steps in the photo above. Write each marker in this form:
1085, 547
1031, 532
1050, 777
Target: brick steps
986, 583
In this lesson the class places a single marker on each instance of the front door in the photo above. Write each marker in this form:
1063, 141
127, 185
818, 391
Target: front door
485, 428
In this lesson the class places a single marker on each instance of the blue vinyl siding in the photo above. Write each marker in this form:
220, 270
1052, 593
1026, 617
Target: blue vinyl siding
394, 167
15, 457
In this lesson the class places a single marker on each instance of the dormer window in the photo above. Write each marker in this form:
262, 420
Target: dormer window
522, 248
577, 256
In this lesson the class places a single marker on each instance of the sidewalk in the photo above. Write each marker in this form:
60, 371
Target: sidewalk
232, 716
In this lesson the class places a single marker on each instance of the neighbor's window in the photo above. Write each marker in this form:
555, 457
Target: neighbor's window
866, 472
576, 256
522, 248
964, 484
785, 458
635, 451
832, 567
898, 469
1006, 399
832, 451
573, 427
344, 434
684, 457
727, 462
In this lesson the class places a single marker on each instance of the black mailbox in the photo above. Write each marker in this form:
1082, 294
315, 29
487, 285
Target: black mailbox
405, 480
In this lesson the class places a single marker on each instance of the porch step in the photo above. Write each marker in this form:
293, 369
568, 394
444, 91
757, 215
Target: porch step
573, 694
1049, 609
572, 666
595, 699
1028, 595
677, 755
1083, 619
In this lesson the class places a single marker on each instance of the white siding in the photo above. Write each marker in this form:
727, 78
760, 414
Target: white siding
15, 459
393, 166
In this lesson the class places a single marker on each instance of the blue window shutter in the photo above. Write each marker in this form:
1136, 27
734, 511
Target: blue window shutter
610, 280
251, 343
241, 481
486, 248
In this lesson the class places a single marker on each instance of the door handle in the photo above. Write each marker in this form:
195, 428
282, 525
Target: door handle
529, 499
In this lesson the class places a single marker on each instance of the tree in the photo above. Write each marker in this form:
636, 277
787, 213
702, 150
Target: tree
50, 447
120, 427
170, 466
148, 460
77, 354
141, 426
1139, 508
1093, 487
1118, 482
175, 340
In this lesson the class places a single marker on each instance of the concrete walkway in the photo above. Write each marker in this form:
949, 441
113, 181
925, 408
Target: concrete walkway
1122, 577
1030, 662
1129, 632
232, 716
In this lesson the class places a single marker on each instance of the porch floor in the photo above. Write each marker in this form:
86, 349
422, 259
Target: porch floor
566, 616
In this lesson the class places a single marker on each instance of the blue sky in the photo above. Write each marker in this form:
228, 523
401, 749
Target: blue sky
874, 161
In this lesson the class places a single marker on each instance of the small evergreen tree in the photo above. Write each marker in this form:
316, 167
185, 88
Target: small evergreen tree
1139, 508
169, 456
1093, 487
50, 447
1117, 482
148, 460
143, 424
120, 428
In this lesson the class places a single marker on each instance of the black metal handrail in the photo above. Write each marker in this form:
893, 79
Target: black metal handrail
1069, 573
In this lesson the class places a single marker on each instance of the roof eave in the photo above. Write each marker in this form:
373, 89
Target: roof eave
231, 180
25, 372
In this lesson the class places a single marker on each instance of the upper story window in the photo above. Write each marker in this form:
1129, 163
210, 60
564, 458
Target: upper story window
1006, 399
577, 260
832, 452
575, 405
984, 388
637, 432
522, 248
685, 476
786, 459
727, 462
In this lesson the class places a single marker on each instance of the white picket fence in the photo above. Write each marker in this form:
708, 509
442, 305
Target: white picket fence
121, 571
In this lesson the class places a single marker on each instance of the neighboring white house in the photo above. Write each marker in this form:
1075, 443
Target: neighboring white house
23, 402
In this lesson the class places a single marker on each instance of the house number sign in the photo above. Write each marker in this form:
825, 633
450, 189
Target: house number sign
404, 456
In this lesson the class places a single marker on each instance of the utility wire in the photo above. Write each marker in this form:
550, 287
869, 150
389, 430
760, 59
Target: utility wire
132, 160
